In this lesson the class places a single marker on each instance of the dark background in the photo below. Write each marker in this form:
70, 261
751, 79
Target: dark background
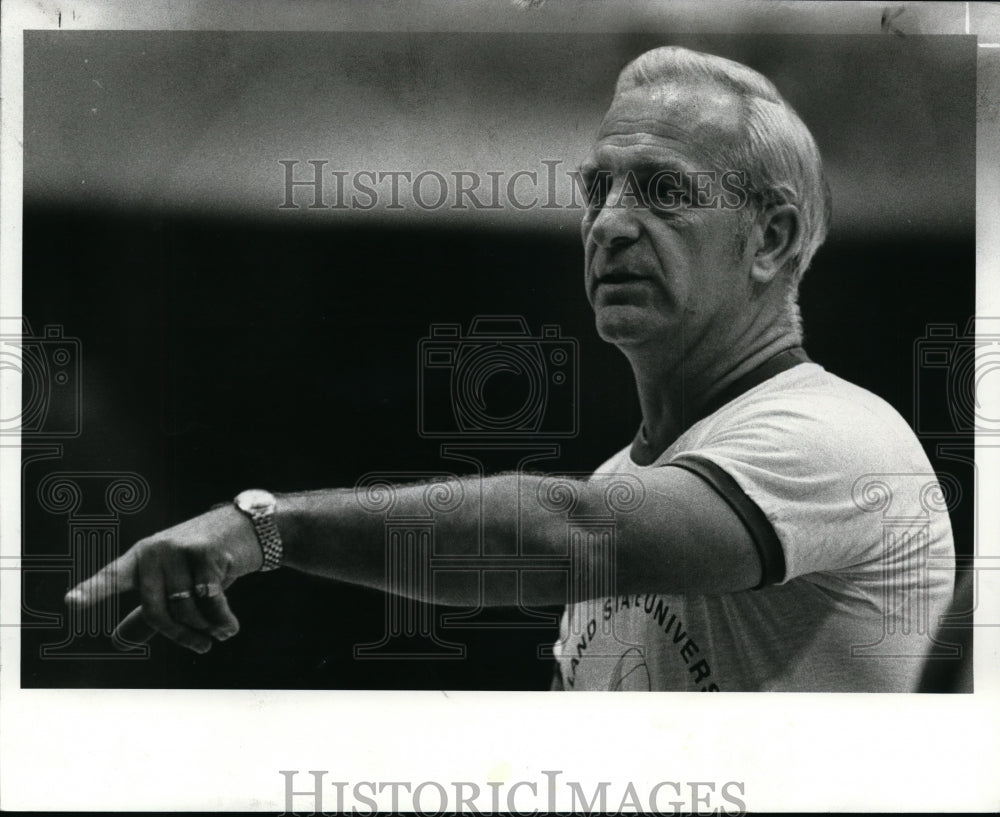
225, 344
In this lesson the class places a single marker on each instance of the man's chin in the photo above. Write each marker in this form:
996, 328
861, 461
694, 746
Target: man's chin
626, 327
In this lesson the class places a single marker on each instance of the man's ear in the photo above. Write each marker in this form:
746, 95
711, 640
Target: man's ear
777, 231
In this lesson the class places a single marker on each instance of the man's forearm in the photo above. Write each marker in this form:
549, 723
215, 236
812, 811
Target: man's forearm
341, 534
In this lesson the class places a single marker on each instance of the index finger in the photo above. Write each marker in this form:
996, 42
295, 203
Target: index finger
112, 579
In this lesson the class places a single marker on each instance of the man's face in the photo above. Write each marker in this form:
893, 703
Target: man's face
658, 269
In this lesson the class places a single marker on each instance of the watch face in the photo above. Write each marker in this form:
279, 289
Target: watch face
255, 500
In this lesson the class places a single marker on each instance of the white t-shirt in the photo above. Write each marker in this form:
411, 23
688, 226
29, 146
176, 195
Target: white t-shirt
853, 534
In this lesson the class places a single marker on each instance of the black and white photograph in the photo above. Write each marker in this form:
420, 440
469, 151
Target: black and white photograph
375, 375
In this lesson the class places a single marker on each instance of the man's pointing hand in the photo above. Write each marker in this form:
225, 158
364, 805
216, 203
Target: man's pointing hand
181, 575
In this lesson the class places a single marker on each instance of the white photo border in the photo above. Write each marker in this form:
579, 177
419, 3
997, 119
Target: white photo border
222, 750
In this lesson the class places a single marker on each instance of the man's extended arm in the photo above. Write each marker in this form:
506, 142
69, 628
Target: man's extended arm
682, 537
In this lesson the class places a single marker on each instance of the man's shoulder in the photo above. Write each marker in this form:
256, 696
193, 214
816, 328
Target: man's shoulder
815, 413
805, 410
810, 392
806, 382
618, 463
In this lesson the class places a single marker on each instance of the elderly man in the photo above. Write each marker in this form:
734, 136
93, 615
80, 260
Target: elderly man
752, 561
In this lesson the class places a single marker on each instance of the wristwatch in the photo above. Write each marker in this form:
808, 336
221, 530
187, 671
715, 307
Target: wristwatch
260, 507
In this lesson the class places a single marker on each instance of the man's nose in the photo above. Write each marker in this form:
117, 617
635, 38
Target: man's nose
615, 225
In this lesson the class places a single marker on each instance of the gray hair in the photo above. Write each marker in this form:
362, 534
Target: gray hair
777, 151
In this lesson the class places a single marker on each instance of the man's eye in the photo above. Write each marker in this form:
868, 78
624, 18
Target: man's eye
596, 187
665, 194
599, 186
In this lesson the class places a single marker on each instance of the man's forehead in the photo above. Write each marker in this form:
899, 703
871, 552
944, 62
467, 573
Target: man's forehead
701, 116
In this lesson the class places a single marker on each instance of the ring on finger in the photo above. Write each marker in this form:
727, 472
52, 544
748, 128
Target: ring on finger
179, 595
208, 590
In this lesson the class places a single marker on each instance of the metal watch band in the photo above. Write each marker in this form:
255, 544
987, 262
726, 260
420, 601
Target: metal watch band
269, 538
260, 507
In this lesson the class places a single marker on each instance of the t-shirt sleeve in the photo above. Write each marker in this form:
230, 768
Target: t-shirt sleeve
790, 468
769, 550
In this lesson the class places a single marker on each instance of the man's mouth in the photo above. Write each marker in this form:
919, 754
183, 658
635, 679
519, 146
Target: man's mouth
619, 277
